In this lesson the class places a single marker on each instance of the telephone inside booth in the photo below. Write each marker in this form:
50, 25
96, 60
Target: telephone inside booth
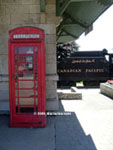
27, 77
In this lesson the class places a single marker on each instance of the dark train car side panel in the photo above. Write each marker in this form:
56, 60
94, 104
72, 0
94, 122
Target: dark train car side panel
83, 69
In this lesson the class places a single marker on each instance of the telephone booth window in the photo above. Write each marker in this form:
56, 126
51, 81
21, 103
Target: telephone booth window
27, 78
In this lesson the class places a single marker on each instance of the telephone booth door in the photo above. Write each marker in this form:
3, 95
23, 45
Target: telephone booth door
27, 77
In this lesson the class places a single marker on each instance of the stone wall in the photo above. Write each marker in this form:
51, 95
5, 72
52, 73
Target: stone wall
17, 13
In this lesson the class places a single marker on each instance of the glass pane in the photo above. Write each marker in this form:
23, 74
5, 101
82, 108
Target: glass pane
26, 84
25, 50
24, 67
26, 93
26, 101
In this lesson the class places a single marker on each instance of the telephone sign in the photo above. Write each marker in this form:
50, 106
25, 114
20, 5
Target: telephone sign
21, 36
27, 77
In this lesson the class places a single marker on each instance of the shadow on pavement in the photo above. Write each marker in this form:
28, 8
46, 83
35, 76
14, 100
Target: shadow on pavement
26, 138
61, 133
110, 97
70, 134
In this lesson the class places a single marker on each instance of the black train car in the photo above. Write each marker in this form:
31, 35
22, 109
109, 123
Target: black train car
91, 67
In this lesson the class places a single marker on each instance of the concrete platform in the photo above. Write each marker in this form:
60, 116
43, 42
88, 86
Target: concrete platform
61, 133
4, 102
88, 127
106, 89
95, 114
70, 94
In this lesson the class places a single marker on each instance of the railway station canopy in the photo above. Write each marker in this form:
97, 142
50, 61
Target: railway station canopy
78, 16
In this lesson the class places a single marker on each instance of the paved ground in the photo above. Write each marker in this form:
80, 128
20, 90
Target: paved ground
89, 127
95, 114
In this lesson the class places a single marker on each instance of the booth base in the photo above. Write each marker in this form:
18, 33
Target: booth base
27, 125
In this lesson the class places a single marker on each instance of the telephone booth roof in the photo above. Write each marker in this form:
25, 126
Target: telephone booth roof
26, 33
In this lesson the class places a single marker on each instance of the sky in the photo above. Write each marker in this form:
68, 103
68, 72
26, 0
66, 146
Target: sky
102, 35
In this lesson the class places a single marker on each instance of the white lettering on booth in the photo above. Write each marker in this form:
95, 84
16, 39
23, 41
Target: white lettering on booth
21, 36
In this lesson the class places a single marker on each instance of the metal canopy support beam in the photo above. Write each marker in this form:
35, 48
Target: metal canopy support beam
75, 37
61, 6
105, 2
69, 24
42, 5
74, 21
61, 25
82, 0
75, 16
64, 24
58, 36
61, 30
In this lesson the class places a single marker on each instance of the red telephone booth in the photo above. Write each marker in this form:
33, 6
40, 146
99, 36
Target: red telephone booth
27, 77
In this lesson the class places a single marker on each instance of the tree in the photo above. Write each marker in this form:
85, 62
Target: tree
65, 50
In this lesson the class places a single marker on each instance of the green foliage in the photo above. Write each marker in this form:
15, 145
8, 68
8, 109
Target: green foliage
66, 50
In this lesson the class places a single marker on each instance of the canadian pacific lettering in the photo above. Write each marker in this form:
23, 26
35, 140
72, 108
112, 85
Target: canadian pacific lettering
79, 70
94, 70
69, 70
